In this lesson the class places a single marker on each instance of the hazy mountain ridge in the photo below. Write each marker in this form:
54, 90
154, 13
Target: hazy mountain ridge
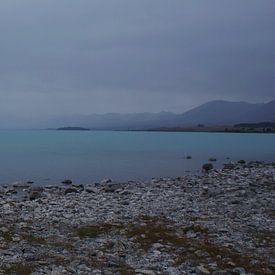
221, 112
218, 112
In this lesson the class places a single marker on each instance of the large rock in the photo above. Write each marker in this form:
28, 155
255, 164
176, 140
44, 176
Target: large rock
22, 184
67, 181
111, 187
36, 192
2, 190
37, 189
207, 167
35, 195
104, 181
70, 190
90, 189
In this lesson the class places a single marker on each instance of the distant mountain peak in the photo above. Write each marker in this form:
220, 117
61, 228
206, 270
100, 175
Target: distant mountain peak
216, 112
221, 112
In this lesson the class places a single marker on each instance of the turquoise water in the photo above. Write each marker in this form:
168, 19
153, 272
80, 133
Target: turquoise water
50, 156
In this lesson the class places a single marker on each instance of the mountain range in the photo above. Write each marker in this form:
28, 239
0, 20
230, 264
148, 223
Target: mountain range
213, 113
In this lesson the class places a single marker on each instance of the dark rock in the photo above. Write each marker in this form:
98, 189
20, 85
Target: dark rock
188, 157
241, 161
111, 187
207, 167
35, 195
90, 189
212, 159
67, 181
39, 189
70, 190
2, 190
79, 186
21, 184
104, 181
238, 271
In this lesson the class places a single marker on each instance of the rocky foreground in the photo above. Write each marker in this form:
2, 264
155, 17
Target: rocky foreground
218, 223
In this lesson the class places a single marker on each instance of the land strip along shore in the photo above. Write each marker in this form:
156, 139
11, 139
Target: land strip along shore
221, 222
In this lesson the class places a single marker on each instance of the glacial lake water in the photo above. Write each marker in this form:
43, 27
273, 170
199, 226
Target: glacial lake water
48, 157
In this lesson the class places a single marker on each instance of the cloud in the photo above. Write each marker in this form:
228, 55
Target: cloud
121, 56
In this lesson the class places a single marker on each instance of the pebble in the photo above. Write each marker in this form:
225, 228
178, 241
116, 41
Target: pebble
163, 226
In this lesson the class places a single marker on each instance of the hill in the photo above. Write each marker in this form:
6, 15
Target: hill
213, 113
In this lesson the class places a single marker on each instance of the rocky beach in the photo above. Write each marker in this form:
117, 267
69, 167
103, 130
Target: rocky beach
219, 222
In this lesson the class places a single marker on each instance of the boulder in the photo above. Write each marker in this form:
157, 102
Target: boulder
2, 190
35, 195
111, 187
90, 189
207, 167
70, 190
67, 181
21, 184
104, 181
39, 189
80, 187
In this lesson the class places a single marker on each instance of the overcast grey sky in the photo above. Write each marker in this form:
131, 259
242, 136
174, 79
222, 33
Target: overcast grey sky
99, 56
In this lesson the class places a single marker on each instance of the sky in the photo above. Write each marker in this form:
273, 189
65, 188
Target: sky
64, 57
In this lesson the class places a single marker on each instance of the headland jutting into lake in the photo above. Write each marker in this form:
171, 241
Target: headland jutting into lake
220, 222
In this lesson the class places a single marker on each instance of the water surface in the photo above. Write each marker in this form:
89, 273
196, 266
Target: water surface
47, 156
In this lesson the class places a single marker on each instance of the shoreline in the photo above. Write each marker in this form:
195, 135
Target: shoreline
202, 130
222, 222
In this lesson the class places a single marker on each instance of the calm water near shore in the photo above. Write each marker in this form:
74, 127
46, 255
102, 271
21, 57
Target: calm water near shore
48, 157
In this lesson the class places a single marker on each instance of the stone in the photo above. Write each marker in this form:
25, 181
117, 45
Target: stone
201, 270
111, 187
239, 271
2, 190
67, 181
4, 230
145, 272
35, 195
144, 226
212, 159
207, 167
104, 181
70, 190
90, 189
21, 184
39, 189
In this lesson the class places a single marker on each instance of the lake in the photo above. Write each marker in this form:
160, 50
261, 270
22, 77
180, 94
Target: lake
48, 156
